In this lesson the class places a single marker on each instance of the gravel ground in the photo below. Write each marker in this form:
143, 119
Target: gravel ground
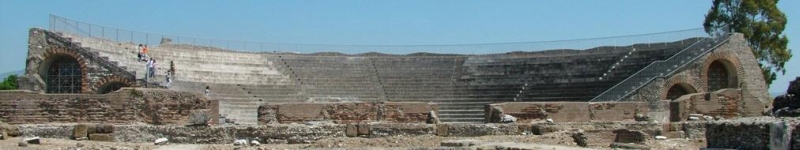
558, 140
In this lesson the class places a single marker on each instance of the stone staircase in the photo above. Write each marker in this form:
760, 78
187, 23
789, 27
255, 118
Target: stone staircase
660, 68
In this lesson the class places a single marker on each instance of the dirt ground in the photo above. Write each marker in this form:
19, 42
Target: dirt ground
558, 140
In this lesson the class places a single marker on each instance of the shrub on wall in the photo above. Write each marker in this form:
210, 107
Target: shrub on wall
9, 83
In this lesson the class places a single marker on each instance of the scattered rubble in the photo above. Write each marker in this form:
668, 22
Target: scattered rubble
580, 138
240, 142
33, 140
629, 146
255, 143
508, 119
161, 141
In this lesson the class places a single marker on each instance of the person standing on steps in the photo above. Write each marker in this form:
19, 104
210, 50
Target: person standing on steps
139, 54
144, 52
153, 73
208, 90
149, 68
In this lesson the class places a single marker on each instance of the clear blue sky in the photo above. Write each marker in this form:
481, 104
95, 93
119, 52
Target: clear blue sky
373, 22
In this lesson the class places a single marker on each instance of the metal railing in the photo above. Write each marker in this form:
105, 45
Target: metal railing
662, 68
60, 24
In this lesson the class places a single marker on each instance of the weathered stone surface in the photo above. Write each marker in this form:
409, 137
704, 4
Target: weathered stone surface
128, 105
101, 137
347, 112
33, 140
3, 135
407, 129
629, 146
580, 138
363, 129
161, 141
80, 131
539, 129
442, 130
788, 105
727, 103
352, 130
630, 136
460, 143
527, 112
104, 128
11, 130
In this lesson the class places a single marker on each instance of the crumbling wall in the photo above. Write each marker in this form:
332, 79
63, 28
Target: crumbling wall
153, 106
726, 103
526, 112
752, 134
345, 112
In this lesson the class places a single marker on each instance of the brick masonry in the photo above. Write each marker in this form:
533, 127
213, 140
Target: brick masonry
744, 73
727, 103
355, 112
44, 46
152, 106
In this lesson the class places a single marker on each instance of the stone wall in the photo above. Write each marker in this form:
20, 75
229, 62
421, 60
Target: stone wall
726, 103
526, 112
601, 134
44, 46
152, 106
753, 134
346, 112
744, 68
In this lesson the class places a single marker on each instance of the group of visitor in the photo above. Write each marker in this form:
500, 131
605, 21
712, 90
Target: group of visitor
151, 65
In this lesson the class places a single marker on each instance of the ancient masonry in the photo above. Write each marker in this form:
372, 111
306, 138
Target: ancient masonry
71, 78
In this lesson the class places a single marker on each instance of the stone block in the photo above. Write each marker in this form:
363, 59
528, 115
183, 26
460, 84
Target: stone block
363, 129
101, 137
442, 130
630, 136
351, 130
80, 131
537, 129
104, 128
91, 129
3, 135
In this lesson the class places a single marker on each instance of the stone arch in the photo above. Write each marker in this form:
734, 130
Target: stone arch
678, 90
681, 83
111, 84
720, 70
63, 71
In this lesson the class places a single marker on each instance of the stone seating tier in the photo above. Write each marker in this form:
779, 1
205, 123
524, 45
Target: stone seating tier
461, 84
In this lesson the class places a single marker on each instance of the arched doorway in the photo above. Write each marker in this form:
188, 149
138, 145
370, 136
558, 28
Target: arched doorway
110, 87
679, 90
63, 75
720, 76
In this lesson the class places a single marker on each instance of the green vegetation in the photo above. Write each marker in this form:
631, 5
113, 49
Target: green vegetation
762, 24
9, 83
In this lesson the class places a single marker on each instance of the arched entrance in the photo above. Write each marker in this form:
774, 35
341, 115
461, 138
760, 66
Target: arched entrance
679, 90
720, 76
62, 75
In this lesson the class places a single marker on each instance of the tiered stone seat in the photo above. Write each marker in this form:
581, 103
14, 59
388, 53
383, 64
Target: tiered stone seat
335, 78
460, 84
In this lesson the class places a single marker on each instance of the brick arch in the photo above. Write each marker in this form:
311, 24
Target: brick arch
111, 80
731, 64
686, 81
57, 52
